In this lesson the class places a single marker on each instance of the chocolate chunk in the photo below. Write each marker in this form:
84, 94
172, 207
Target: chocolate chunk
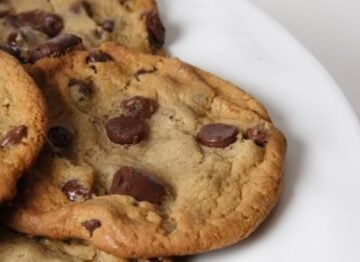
98, 57
91, 225
4, 13
81, 5
108, 25
155, 29
125, 130
60, 137
55, 47
47, 23
258, 135
83, 87
13, 136
132, 182
139, 107
72, 189
217, 135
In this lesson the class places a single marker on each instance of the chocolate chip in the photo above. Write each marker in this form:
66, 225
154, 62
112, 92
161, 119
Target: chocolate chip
91, 225
72, 189
98, 57
156, 29
132, 182
139, 107
258, 135
81, 5
125, 130
108, 25
55, 47
217, 135
4, 13
82, 87
60, 137
13, 136
47, 23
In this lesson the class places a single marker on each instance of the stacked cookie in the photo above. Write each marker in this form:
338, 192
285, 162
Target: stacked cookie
137, 155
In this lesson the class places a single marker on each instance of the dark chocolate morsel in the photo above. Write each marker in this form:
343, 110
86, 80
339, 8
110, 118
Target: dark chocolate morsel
91, 225
125, 130
141, 186
258, 135
73, 189
108, 25
98, 57
217, 135
139, 107
4, 13
48, 23
13, 136
55, 47
155, 29
60, 137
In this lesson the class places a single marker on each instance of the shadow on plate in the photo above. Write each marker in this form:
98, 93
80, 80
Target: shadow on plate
173, 31
293, 165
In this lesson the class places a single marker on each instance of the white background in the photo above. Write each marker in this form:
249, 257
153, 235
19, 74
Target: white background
330, 29
317, 218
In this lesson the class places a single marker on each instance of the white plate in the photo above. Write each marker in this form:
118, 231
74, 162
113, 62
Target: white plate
318, 216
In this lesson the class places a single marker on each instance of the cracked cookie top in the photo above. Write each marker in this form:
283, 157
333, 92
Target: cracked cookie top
148, 156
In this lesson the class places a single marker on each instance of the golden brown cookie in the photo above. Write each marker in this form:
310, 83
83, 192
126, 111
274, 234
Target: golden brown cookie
26, 25
148, 156
16, 247
22, 123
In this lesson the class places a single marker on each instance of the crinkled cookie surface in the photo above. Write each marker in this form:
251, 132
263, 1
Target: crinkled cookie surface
148, 156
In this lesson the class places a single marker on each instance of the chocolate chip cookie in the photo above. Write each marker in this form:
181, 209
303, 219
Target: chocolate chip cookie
16, 247
148, 156
23, 123
26, 25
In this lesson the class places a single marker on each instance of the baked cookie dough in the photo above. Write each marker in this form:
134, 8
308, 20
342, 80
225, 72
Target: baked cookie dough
16, 247
148, 156
22, 123
24, 25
